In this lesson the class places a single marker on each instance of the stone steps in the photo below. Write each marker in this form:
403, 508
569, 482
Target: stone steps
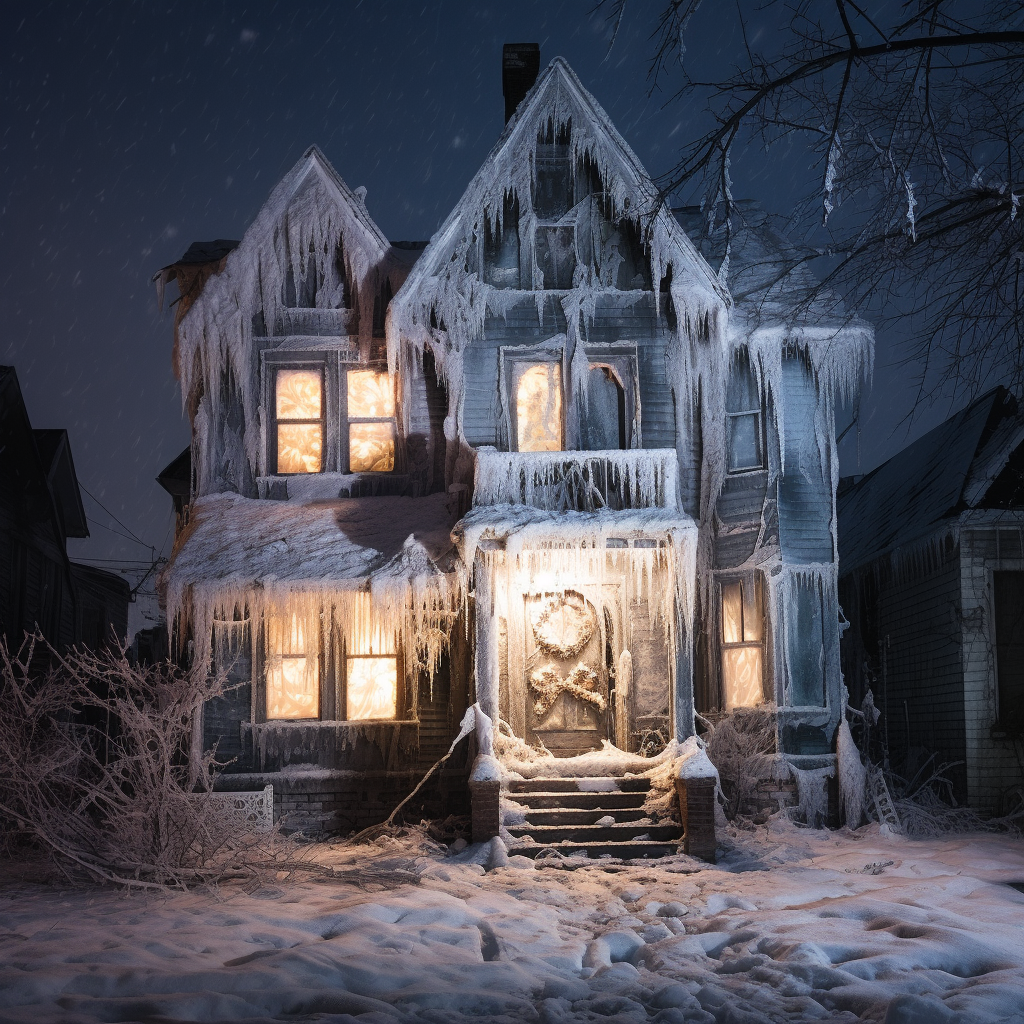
562, 817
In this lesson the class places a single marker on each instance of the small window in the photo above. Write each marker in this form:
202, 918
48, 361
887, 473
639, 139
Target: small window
742, 651
539, 407
501, 247
603, 421
299, 425
371, 422
743, 419
293, 666
553, 191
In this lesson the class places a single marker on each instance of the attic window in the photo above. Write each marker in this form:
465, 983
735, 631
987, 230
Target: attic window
742, 634
298, 407
556, 254
552, 195
293, 667
371, 422
539, 407
501, 247
743, 420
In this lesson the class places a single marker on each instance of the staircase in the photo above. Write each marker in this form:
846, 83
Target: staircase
563, 815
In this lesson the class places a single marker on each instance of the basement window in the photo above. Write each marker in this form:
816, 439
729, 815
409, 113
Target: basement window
371, 422
538, 390
293, 667
742, 650
298, 420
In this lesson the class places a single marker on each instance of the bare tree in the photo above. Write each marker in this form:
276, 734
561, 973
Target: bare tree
97, 767
913, 115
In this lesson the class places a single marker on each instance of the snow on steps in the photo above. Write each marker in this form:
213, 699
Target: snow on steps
570, 815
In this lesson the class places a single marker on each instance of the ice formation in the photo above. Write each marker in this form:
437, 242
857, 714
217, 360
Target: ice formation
325, 564
852, 777
312, 262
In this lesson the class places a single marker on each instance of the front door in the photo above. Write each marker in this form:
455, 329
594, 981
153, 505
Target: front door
566, 677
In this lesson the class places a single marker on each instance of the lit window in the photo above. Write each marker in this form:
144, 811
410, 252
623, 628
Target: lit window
743, 417
371, 422
371, 668
293, 667
741, 645
539, 408
298, 405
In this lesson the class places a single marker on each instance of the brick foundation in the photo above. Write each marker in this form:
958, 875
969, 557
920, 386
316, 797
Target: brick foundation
697, 814
485, 798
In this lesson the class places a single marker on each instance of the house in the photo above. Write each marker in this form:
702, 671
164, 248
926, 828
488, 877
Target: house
555, 462
932, 583
40, 507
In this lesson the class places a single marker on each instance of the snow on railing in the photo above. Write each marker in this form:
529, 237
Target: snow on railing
577, 481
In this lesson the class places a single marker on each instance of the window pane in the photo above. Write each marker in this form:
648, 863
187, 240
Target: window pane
293, 668
744, 442
539, 408
299, 394
371, 447
732, 613
741, 671
370, 394
752, 625
299, 447
372, 687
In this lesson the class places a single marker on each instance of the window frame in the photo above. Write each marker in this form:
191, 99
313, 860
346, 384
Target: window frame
756, 601
276, 421
741, 365
347, 421
519, 364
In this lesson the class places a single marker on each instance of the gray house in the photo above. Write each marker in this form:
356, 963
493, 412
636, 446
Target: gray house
932, 583
557, 462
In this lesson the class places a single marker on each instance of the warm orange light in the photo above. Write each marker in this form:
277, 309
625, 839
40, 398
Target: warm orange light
371, 447
299, 447
370, 395
299, 396
741, 671
539, 408
293, 670
372, 688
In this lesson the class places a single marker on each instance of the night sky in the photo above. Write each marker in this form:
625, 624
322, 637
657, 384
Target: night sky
130, 130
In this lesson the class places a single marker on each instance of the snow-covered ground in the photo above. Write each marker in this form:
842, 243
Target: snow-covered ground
791, 925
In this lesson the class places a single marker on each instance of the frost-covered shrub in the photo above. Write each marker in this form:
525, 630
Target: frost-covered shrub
97, 765
742, 747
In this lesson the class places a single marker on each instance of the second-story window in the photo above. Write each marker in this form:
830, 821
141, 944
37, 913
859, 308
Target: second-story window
744, 436
371, 422
299, 424
538, 395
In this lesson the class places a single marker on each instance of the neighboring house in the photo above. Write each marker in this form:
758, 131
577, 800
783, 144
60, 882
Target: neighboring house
562, 466
40, 507
932, 583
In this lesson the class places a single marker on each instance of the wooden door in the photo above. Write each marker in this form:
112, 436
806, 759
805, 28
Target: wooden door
566, 677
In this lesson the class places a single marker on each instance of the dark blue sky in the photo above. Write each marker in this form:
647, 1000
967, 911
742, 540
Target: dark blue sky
130, 130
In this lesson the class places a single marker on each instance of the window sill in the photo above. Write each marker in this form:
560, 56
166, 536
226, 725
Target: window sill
302, 487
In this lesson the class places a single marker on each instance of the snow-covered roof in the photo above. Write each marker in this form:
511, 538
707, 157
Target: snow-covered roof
233, 543
930, 483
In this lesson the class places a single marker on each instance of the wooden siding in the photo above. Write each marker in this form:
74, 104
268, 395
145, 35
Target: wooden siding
740, 503
806, 501
993, 764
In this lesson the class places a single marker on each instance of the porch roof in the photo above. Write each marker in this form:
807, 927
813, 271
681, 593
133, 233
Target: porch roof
234, 543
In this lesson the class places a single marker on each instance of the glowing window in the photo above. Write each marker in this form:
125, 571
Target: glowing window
293, 666
298, 408
742, 653
539, 408
371, 668
371, 422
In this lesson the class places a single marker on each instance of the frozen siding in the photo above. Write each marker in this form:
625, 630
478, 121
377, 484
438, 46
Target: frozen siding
805, 489
918, 626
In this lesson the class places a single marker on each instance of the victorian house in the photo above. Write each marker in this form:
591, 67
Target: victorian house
573, 461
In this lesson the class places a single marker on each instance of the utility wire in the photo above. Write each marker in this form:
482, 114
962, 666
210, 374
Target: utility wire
112, 516
103, 526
